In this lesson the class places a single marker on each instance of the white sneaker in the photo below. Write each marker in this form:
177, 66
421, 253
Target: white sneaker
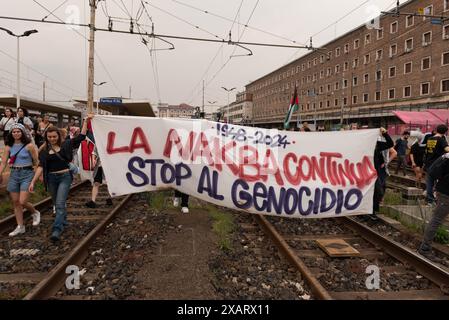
54, 210
185, 210
36, 218
17, 230
176, 202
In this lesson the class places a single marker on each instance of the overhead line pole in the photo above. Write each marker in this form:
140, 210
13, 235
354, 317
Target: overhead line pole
91, 70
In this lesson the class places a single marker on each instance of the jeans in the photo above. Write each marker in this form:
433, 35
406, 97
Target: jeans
184, 198
440, 213
430, 183
59, 186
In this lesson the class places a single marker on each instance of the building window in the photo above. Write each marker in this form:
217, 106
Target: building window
345, 83
321, 89
408, 45
445, 59
366, 78
409, 21
365, 97
392, 72
378, 75
322, 58
408, 67
367, 39
336, 102
379, 54
309, 64
378, 95
391, 93
428, 11
445, 85
407, 91
337, 85
328, 103
446, 5
380, 33
425, 88
366, 59
303, 66
337, 68
356, 43
354, 99
446, 32
394, 27
354, 81
346, 66
345, 101
355, 63
321, 104
315, 61
329, 55
425, 63
328, 88
346, 48
337, 52
321, 74
426, 39
393, 50
329, 72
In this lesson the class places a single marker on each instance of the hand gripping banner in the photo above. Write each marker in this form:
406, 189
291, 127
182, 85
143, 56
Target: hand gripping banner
281, 173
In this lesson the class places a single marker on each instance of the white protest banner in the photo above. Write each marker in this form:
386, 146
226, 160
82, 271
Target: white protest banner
282, 173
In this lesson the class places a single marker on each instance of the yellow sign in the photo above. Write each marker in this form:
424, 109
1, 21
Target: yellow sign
421, 11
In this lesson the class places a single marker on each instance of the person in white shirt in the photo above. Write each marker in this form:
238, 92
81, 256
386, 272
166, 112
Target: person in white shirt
6, 123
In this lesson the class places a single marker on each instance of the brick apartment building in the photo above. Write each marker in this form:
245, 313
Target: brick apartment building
362, 76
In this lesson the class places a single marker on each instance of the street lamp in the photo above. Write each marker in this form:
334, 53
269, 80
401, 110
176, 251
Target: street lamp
25, 34
228, 90
98, 91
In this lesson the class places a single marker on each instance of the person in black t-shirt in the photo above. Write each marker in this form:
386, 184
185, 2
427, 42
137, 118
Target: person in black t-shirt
417, 152
436, 146
401, 146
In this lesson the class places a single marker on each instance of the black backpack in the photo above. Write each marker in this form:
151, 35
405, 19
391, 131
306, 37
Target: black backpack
438, 169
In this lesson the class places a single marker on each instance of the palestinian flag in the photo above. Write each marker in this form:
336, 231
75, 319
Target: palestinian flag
294, 106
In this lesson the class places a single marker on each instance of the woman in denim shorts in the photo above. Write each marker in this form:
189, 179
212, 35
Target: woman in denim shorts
20, 154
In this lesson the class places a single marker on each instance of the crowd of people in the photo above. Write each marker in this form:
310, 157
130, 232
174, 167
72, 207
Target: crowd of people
51, 150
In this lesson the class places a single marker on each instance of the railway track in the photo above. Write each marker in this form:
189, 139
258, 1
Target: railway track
333, 256
31, 266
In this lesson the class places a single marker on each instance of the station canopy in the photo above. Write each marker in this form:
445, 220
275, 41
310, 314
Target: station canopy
7, 100
123, 106
426, 117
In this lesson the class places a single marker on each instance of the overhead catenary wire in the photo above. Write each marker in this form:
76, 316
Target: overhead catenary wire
230, 20
83, 36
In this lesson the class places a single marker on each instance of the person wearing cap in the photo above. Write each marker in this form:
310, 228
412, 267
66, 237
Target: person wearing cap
21, 155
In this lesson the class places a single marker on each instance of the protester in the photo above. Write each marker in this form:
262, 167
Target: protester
184, 201
22, 118
99, 179
54, 164
436, 146
5, 124
417, 152
439, 172
21, 155
380, 166
41, 129
401, 146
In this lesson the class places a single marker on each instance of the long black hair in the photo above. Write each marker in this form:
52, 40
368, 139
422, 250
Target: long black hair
25, 111
25, 139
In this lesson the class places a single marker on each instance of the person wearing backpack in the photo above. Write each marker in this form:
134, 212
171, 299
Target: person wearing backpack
55, 165
21, 155
440, 173
436, 146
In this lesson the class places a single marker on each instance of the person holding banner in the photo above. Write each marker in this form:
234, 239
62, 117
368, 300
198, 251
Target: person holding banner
54, 163
184, 201
99, 179
380, 166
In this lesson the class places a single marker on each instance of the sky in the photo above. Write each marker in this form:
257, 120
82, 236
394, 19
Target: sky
58, 55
